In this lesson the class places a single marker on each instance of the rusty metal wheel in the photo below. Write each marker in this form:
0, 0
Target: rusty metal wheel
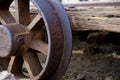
21, 39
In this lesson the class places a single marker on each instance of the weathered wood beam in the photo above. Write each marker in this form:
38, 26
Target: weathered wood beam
95, 18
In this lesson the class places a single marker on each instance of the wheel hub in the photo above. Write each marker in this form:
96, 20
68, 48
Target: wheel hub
14, 39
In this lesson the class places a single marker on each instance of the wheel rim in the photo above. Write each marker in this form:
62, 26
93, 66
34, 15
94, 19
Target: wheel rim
55, 49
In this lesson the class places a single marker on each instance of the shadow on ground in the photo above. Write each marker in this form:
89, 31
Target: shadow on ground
94, 61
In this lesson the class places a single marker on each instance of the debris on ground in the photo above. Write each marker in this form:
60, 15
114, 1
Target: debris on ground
95, 60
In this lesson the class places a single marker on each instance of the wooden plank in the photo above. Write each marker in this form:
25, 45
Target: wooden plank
95, 18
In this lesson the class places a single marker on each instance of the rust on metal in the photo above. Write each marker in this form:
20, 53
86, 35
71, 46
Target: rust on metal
24, 39
14, 38
41, 46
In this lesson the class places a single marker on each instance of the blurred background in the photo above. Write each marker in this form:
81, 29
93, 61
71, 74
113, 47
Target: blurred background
76, 1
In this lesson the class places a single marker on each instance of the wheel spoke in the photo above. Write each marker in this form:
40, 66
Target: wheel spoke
11, 64
22, 11
40, 46
36, 20
15, 65
32, 63
6, 17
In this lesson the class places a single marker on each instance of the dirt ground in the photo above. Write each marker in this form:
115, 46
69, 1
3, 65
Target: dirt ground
98, 60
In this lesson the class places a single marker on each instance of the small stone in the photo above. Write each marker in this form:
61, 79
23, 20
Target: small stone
108, 78
80, 77
4, 75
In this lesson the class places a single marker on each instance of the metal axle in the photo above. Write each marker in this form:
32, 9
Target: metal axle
14, 39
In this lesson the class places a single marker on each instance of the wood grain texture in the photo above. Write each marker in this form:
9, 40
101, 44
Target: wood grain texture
95, 18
